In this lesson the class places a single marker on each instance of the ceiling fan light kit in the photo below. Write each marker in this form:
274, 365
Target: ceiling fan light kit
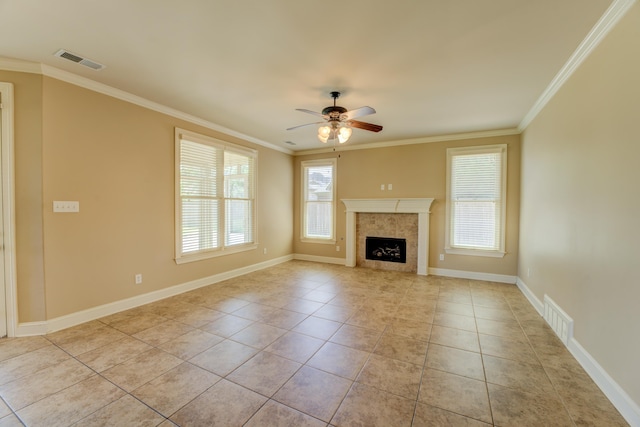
333, 131
339, 121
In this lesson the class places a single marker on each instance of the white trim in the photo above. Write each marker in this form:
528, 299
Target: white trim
11, 64
616, 394
498, 252
414, 141
74, 79
31, 329
304, 165
421, 206
219, 146
316, 258
318, 241
474, 275
599, 31
73, 319
20, 66
8, 207
475, 252
530, 296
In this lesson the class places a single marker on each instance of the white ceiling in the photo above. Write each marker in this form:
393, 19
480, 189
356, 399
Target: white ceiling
429, 67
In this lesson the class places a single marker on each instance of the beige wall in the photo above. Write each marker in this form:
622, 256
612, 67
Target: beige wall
117, 160
579, 231
415, 171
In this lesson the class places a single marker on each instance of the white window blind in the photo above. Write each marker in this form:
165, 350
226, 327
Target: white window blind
318, 178
199, 200
215, 196
476, 198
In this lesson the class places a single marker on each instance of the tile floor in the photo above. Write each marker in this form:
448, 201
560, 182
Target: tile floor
305, 344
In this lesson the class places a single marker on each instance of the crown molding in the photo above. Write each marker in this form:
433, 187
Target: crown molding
607, 21
17, 65
11, 64
414, 141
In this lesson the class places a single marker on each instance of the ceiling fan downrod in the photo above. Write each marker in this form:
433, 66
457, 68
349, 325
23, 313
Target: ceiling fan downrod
335, 111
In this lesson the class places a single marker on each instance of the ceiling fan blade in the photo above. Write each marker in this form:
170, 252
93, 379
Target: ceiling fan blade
358, 112
312, 112
301, 126
366, 126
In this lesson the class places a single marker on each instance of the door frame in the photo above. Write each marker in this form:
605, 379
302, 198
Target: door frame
7, 181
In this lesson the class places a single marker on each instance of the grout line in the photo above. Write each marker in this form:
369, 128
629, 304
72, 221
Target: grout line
347, 281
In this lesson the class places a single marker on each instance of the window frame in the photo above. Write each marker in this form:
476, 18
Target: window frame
500, 251
222, 248
304, 165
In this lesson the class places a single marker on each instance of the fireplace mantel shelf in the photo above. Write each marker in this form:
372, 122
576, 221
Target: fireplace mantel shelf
418, 206
388, 205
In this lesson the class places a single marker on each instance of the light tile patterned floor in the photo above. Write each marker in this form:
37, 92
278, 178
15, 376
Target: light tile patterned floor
305, 344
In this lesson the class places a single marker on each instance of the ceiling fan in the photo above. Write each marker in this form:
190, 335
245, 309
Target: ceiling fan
338, 121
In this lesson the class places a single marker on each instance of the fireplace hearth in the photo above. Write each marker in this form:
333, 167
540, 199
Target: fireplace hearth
386, 249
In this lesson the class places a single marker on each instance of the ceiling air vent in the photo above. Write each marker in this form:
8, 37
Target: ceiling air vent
79, 60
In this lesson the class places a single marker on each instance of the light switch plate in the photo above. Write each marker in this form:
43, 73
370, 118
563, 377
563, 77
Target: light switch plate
66, 206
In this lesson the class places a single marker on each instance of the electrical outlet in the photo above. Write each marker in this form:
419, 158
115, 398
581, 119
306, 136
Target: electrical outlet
264, 251
337, 248
389, 187
138, 279
382, 187
441, 257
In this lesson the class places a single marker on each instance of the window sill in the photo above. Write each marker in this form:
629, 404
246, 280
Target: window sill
319, 241
199, 256
475, 252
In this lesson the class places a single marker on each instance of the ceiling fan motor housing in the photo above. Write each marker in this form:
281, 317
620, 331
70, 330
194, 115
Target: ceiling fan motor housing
334, 112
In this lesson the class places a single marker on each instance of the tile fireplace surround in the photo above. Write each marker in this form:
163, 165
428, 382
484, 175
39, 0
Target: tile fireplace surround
401, 226
418, 206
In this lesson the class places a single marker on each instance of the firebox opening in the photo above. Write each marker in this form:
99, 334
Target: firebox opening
386, 249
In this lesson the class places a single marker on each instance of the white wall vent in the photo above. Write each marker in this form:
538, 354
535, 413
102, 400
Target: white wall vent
62, 53
559, 321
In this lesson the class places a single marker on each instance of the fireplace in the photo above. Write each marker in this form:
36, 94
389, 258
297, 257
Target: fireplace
421, 207
386, 249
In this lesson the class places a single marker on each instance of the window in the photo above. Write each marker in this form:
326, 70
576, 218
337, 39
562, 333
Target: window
476, 200
215, 197
318, 200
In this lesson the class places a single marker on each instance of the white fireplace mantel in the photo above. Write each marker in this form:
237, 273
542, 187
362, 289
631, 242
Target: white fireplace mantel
422, 207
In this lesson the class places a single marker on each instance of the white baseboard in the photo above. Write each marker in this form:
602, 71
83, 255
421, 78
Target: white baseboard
618, 397
461, 274
30, 329
323, 259
530, 296
73, 319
